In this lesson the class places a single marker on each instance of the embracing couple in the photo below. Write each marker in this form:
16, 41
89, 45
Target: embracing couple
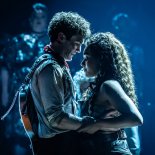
109, 104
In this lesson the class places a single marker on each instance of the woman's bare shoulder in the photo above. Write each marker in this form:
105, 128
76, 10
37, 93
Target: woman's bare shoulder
111, 85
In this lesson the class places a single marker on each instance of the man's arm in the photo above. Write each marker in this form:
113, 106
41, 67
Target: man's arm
52, 95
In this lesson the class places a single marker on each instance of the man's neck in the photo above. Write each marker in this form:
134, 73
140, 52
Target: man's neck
56, 51
58, 48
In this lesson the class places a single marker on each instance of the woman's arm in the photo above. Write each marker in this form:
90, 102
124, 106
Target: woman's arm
130, 115
112, 92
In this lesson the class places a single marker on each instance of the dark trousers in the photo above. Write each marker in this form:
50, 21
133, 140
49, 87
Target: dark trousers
100, 144
72, 143
61, 144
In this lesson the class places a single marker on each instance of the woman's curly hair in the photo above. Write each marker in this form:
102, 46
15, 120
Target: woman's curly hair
70, 23
114, 61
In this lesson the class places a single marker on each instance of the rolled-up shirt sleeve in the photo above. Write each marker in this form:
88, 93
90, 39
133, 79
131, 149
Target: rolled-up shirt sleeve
51, 89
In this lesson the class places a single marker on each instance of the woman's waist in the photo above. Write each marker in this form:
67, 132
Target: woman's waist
106, 136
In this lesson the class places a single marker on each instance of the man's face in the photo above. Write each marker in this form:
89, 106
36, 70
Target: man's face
72, 46
38, 21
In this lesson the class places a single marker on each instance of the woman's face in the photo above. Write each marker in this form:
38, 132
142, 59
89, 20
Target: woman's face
90, 63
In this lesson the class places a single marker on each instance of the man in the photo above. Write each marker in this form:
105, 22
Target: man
18, 56
52, 86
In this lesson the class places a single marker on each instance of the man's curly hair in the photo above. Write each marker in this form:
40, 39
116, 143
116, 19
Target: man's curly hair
70, 23
114, 61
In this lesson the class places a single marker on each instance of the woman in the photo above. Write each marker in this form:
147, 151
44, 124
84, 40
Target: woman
111, 100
